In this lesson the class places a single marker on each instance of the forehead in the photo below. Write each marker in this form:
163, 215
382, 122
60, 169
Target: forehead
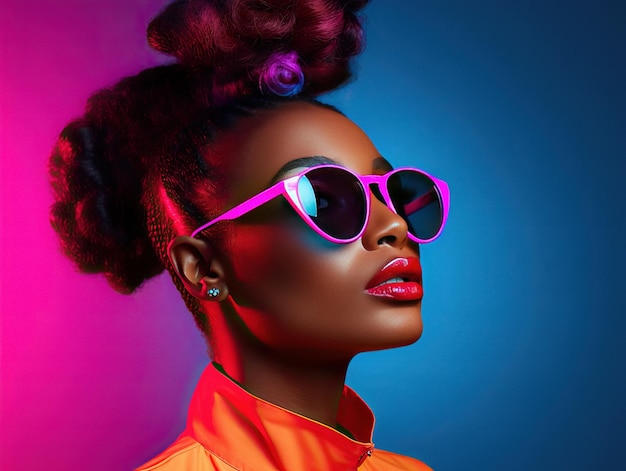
261, 145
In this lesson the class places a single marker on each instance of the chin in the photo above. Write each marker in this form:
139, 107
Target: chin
408, 338
403, 327
400, 336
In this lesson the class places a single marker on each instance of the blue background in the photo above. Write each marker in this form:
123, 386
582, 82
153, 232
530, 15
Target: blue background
520, 106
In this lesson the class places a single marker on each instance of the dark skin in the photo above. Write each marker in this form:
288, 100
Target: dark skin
293, 310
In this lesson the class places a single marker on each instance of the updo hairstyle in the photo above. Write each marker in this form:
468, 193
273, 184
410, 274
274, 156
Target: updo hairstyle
141, 165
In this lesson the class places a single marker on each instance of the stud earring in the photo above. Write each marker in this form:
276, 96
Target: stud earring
213, 292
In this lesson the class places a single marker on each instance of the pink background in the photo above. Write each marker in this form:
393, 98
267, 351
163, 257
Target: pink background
85, 370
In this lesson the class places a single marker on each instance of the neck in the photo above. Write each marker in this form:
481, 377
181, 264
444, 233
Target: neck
310, 388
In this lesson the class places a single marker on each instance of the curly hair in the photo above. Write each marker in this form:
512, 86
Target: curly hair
141, 165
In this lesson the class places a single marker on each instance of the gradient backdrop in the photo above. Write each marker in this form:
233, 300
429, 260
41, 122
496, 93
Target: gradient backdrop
520, 106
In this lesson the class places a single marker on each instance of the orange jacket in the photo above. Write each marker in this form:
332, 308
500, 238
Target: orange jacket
229, 429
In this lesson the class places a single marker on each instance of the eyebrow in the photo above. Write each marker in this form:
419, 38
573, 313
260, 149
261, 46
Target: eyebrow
301, 163
379, 163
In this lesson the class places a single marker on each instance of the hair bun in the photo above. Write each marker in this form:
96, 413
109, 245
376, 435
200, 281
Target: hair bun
99, 168
98, 220
231, 41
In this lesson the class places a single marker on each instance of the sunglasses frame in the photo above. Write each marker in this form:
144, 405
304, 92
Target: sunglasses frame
289, 189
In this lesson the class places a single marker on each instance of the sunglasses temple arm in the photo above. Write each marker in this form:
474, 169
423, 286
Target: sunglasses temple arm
420, 202
247, 206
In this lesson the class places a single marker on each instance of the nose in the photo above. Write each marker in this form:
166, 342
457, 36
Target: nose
384, 228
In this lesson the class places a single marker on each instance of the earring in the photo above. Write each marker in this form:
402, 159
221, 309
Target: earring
213, 292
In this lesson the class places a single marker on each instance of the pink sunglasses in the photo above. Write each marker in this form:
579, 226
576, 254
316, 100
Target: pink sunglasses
335, 202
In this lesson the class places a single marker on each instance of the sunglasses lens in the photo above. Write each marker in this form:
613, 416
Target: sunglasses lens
416, 198
334, 200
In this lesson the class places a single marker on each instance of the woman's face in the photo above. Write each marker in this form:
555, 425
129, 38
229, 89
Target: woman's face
295, 291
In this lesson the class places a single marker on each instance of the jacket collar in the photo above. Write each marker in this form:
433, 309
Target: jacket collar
252, 434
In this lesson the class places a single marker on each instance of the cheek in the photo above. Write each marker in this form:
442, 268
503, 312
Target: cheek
299, 291
281, 259
298, 280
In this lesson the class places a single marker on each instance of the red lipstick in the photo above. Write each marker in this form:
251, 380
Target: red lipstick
400, 280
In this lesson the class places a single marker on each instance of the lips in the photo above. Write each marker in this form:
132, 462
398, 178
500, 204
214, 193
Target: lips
400, 279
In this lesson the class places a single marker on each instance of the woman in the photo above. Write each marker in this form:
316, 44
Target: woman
292, 241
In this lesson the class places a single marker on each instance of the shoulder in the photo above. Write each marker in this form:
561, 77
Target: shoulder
382, 460
185, 453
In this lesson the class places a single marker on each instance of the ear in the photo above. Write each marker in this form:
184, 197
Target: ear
197, 265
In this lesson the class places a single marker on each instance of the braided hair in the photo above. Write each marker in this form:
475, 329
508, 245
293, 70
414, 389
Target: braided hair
141, 165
